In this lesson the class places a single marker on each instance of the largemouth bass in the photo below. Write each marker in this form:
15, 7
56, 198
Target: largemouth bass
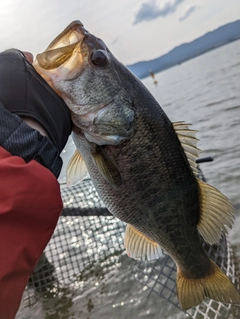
142, 165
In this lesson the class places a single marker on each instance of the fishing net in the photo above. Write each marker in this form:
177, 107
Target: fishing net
88, 241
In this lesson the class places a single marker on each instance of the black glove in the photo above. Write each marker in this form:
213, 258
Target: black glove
25, 93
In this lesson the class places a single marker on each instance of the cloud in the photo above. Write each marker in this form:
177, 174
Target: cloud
114, 41
187, 13
153, 9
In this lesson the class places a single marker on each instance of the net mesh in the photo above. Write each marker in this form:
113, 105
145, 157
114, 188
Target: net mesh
88, 240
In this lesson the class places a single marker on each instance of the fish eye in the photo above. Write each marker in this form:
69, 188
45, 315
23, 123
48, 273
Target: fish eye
99, 58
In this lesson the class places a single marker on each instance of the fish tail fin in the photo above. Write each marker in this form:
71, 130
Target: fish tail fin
216, 286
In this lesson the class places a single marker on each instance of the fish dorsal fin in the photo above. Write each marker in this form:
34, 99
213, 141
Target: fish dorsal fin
106, 168
216, 213
188, 141
216, 210
76, 169
139, 246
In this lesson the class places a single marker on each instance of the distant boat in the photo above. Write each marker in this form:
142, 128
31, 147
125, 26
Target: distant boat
153, 77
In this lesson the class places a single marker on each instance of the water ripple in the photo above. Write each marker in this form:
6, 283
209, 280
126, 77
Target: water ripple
221, 101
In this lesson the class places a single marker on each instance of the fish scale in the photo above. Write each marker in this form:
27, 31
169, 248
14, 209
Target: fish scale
137, 170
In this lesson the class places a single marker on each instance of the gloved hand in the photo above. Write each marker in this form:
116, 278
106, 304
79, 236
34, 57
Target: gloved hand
25, 93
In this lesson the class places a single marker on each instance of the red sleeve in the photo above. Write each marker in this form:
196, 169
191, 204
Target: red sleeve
30, 204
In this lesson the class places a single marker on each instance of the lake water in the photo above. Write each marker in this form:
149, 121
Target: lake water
205, 92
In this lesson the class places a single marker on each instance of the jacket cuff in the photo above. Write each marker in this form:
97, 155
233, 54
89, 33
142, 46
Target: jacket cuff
19, 139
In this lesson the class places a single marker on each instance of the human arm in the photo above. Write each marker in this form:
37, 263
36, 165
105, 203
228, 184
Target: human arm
30, 201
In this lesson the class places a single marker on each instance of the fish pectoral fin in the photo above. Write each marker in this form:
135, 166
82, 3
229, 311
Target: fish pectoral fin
216, 286
216, 213
139, 246
106, 168
76, 169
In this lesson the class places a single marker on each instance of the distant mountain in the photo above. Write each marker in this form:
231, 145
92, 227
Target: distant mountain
211, 40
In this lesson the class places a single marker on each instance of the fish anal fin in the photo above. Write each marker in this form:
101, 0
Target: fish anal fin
216, 213
188, 140
106, 168
76, 169
216, 286
139, 246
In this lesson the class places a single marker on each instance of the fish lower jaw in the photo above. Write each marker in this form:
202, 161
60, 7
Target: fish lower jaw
99, 139
86, 110
102, 126
104, 139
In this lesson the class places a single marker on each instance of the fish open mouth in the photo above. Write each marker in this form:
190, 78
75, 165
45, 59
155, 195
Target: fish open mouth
62, 47
72, 34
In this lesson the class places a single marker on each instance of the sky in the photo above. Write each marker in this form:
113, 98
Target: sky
134, 30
